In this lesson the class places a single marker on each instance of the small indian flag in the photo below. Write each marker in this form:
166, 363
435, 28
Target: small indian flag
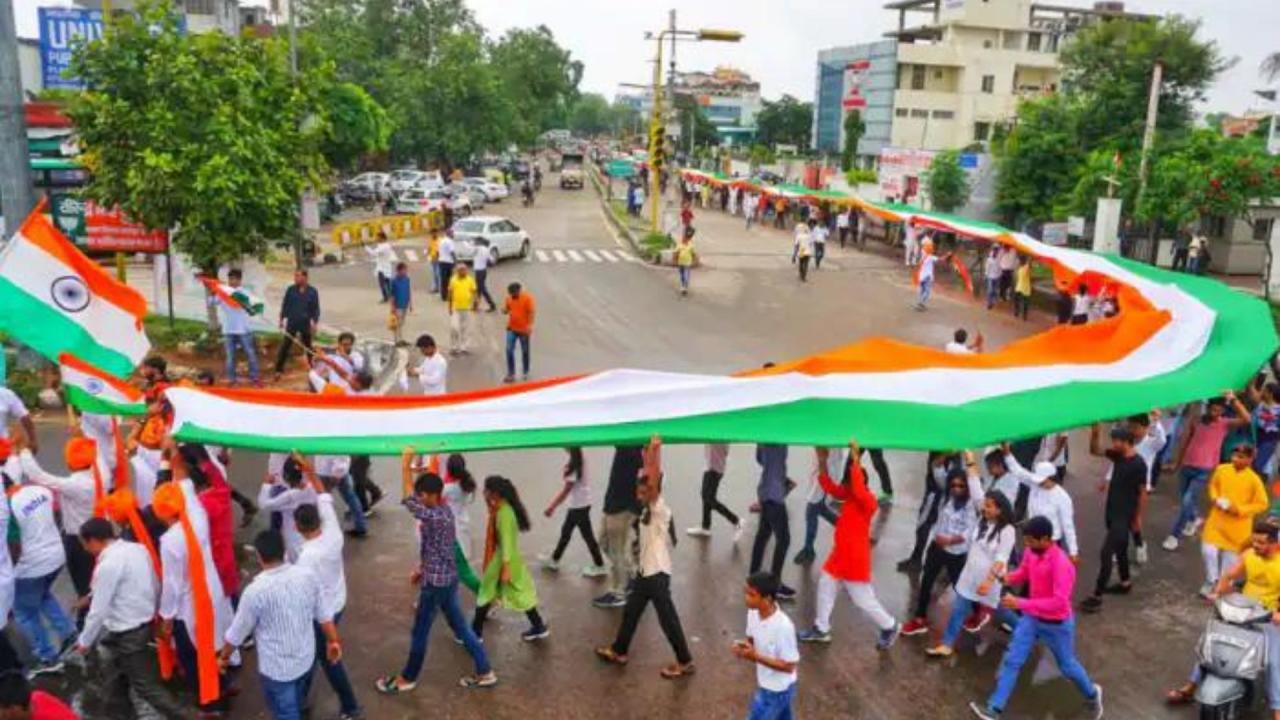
56, 300
95, 391
236, 297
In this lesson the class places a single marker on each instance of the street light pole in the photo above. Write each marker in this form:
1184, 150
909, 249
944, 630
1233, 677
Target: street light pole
15, 165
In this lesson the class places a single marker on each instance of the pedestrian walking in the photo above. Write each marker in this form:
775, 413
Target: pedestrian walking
480, 264
910, 244
432, 370
621, 507
750, 208
1181, 251
849, 564
1046, 618
459, 496
433, 257
505, 577
41, 560
437, 578
819, 235
717, 458
949, 540
771, 492
446, 257
842, 225
780, 213
991, 275
401, 302
770, 645
384, 262
299, 316
1236, 495
939, 467
1022, 288
1008, 263
577, 490
1201, 452
519, 309
686, 256
1266, 425
236, 332
462, 300
1081, 305
1126, 488
925, 277
651, 556
279, 609
816, 506
802, 249
1047, 499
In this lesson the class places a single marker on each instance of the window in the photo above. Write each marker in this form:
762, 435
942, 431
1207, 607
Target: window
943, 115
987, 44
1214, 226
1262, 229
981, 131
200, 7
937, 74
1033, 42
988, 83
919, 113
917, 77
900, 112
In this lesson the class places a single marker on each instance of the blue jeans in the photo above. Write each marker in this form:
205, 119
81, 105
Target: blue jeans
245, 341
1191, 482
347, 489
32, 600
1059, 638
813, 511
514, 337
1262, 458
336, 673
446, 599
770, 705
961, 608
926, 289
285, 700
683, 271
435, 277
993, 291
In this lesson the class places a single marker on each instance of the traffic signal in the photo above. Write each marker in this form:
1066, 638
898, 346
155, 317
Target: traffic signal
657, 146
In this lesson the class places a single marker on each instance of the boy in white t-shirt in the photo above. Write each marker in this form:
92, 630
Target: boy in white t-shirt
772, 646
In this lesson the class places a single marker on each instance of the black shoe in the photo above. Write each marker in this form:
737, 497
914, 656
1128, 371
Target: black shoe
804, 557
1091, 604
786, 592
249, 514
909, 565
359, 534
1119, 589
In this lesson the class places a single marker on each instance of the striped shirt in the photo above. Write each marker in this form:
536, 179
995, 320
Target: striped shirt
278, 608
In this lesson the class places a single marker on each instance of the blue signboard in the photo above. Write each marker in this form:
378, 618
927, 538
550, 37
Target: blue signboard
61, 29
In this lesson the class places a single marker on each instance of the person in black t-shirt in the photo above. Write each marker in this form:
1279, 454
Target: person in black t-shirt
1126, 494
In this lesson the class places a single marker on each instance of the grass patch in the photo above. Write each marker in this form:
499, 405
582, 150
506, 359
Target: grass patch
184, 330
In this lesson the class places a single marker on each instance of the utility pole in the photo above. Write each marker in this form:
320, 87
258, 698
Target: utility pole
302, 203
1149, 132
15, 165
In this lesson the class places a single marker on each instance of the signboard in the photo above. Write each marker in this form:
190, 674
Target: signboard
68, 216
60, 30
854, 74
620, 168
1075, 225
109, 231
1054, 234
902, 171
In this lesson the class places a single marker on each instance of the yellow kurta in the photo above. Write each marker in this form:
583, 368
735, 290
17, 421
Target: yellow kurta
1232, 529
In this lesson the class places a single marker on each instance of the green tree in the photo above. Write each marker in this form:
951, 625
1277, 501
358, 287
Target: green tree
854, 128
946, 182
1093, 180
1038, 160
196, 132
590, 115
625, 119
693, 119
760, 155
355, 125
787, 121
540, 79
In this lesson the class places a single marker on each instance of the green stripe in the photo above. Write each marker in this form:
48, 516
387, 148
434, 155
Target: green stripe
94, 404
36, 324
1243, 338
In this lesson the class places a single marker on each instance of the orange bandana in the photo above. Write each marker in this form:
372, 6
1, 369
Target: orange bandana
81, 453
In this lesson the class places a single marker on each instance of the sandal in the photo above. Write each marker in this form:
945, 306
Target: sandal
1184, 695
607, 654
676, 671
390, 685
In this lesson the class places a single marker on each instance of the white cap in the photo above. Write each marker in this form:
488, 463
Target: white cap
1045, 470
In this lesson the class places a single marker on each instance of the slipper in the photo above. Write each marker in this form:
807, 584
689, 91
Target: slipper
387, 685
676, 671
607, 654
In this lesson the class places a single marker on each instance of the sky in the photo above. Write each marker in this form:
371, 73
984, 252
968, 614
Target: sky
782, 39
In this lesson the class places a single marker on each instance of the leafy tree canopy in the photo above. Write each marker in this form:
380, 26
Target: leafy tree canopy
786, 120
946, 182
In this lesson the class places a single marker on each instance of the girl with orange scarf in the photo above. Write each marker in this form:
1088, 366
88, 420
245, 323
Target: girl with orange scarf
506, 578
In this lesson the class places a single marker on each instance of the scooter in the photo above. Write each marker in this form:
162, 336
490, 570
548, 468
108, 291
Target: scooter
527, 193
1232, 653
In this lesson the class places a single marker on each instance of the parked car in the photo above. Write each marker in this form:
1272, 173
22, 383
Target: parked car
402, 180
493, 191
419, 201
474, 194
365, 188
505, 238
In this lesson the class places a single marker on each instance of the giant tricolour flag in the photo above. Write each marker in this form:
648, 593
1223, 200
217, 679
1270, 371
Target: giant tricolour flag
56, 300
92, 390
1177, 338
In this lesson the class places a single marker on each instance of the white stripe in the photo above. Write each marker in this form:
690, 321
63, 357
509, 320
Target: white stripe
411, 256
542, 255
626, 256
608, 256
591, 256
33, 271
559, 256
573, 254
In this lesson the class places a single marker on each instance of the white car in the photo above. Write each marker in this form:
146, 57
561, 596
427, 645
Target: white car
402, 180
494, 191
419, 202
505, 238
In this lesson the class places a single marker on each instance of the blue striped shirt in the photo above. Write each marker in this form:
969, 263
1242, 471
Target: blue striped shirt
278, 608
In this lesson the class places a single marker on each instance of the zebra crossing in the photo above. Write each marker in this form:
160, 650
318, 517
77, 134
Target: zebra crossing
570, 256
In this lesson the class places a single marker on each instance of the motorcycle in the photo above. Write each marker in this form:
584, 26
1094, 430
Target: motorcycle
1232, 653
527, 193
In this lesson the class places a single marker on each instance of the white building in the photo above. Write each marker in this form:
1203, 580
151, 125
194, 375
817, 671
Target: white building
729, 97
202, 15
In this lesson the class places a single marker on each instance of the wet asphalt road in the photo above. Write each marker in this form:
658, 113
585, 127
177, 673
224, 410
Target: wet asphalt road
746, 308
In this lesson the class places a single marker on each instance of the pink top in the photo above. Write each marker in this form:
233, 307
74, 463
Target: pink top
216, 499
1051, 577
1204, 449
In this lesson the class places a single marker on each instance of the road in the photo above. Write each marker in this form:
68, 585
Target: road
746, 307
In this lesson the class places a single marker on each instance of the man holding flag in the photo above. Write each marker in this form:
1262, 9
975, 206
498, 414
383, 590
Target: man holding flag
235, 305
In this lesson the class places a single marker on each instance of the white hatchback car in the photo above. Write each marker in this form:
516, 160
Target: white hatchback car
494, 191
505, 238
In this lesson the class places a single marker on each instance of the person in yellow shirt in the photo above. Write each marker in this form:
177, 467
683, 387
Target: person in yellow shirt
433, 255
1022, 288
1236, 495
685, 257
462, 301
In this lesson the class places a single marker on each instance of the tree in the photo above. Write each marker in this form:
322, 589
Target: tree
1037, 162
624, 119
540, 79
854, 129
198, 133
946, 182
590, 115
693, 119
1093, 180
355, 125
760, 155
787, 121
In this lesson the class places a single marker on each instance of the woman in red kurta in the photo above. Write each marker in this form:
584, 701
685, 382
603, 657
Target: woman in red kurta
215, 498
849, 564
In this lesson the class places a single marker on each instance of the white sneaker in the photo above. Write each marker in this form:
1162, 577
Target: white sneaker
698, 532
1193, 528
594, 571
1170, 543
737, 531
1140, 555
550, 565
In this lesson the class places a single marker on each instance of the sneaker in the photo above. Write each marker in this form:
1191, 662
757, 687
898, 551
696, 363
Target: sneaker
983, 711
551, 565
886, 638
940, 651
885, 500
509, 379
609, 600
535, 633
974, 623
357, 715
1094, 704
916, 626
804, 557
698, 532
369, 512
1091, 604
474, 682
1140, 555
814, 635
909, 565
737, 531
786, 593
594, 571
1206, 591
43, 667
1170, 543
1193, 528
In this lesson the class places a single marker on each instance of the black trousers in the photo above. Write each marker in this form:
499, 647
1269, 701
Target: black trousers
80, 568
710, 503
1021, 305
773, 523
924, 522
844, 234
1006, 283
803, 262
882, 470
303, 334
654, 589
1180, 258
446, 272
132, 659
935, 561
367, 492
578, 519
1115, 546
482, 614
482, 289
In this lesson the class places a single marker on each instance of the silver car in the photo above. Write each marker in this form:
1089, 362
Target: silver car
475, 195
504, 238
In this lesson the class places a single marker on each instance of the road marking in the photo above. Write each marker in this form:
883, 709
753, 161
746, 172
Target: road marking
411, 256
542, 255
608, 256
592, 256
559, 256
573, 255
627, 256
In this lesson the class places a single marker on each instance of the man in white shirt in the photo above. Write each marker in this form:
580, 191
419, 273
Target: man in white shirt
960, 344
11, 408
910, 245
278, 609
432, 372
842, 226
819, 234
125, 593
480, 265
42, 558
1008, 264
236, 332
802, 249
384, 264
284, 492
925, 278
446, 257
1049, 500
8, 656
322, 555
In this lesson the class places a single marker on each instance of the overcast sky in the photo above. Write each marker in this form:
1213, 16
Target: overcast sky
782, 39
